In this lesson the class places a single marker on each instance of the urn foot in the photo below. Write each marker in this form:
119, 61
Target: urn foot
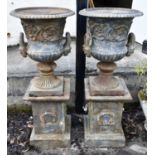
47, 83
56, 91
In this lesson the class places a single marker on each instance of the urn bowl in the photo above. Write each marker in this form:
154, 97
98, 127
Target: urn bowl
44, 28
107, 33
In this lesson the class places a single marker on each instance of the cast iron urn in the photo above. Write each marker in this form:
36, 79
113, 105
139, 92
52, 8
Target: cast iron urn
107, 40
44, 28
47, 93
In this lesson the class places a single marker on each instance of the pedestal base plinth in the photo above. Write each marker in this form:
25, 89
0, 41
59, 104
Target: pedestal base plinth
52, 141
103, 124
51, 123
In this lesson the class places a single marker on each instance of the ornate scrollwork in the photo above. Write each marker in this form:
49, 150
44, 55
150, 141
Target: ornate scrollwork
110, 29
43, 30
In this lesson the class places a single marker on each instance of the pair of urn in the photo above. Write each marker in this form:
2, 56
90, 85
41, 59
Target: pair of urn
107, 40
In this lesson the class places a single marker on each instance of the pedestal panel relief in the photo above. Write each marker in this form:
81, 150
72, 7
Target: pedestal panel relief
105, 117
49, 118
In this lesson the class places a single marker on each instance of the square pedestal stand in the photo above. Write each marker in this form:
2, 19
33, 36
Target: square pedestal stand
103, 124
51, 124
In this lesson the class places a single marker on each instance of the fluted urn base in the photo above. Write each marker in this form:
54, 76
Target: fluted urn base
47, 83
105, 83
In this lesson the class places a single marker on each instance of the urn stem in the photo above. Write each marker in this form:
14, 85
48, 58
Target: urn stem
47, 79
105, 83
106, 69
105, 78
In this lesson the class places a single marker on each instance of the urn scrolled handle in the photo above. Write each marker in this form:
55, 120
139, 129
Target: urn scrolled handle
87, 44
131, 44
67, 44
22, 45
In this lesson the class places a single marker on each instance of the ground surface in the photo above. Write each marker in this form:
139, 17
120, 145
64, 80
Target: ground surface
20, 126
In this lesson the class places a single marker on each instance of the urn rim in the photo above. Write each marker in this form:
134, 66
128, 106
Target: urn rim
110, 12
41, 12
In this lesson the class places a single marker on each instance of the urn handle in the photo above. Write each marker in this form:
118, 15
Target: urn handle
131, 44
22, 45
87, 44
67, 44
